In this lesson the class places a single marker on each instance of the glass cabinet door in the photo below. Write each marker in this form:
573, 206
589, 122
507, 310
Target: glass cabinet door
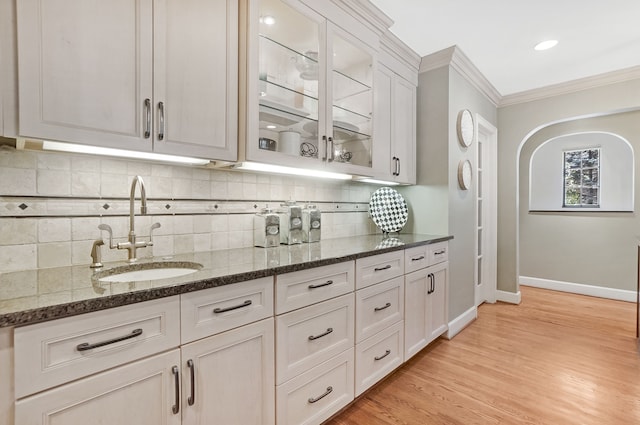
289, 90
351, 91
313, 83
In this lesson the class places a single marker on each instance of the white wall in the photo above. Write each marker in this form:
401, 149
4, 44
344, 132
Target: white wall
438, 205
515, 124
546, 172
588, 248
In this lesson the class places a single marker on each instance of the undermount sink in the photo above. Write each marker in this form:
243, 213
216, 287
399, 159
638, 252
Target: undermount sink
147, 271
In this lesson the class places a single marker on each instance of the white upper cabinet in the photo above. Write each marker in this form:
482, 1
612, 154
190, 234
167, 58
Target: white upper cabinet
141, 75
396, 111
8, 70
309, 89
196, 77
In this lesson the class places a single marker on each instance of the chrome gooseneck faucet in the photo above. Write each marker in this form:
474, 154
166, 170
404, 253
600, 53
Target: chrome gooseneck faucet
132, 244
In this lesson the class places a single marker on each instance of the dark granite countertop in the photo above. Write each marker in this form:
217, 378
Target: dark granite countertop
34, 296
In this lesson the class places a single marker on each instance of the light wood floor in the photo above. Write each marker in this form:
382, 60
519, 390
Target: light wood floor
555, 359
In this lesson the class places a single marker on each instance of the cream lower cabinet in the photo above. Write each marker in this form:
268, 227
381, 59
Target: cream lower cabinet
379, 317
314, 343
129, 365
228, 378
425, 307
224, 379
219, 356
145, 392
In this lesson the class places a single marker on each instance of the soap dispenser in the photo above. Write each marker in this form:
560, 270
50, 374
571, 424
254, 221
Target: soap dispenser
290, 223
266, 228
311, 223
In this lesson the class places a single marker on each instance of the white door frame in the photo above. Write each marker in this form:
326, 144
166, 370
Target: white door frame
486, 212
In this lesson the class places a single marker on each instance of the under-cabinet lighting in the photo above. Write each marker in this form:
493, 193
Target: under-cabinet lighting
545, 45
95, 150
279, 169
380, 182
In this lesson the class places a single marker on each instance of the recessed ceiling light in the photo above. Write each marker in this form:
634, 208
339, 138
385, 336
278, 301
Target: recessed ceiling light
268, 20
546, 45
271, 127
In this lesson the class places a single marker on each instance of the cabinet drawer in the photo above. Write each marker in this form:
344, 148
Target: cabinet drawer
438, 253
51, 353
140, 393
312, 335
419, 257
378, 268
378, 307
377, 356
299, 289
216, 310
314, 396
416, 258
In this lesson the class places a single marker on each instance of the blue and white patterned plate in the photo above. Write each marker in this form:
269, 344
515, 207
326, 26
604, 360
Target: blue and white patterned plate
388, 210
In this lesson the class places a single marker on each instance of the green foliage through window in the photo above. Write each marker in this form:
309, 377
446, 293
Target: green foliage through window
582, 178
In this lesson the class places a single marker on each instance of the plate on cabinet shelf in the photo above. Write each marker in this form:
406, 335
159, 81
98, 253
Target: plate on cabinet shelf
388, 210
341, 130
275, 116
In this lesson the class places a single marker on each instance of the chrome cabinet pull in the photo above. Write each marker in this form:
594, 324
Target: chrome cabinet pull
176, 379
379, 269
386, 353
395, 165
320, 285
235, 307
398, 166
161, 121
432, 286
332, 157
418, 258
192, 373
312, 337
86, 346
321, 396
387, 305
147, 111
326, 148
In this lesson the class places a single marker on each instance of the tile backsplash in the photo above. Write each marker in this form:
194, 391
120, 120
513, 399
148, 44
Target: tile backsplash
52, 203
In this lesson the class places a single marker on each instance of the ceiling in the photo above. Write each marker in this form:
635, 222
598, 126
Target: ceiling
498, 36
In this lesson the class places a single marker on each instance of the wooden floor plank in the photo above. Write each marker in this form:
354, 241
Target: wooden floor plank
556, 358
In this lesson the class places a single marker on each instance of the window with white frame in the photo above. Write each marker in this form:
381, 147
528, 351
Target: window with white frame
582, 178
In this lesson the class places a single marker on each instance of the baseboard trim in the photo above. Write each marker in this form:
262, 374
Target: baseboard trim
508, 297
461, 322
579, 288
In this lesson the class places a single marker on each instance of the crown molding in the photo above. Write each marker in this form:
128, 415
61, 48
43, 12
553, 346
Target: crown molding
367, 12
455, 57
395, 47
572, 86
436, 60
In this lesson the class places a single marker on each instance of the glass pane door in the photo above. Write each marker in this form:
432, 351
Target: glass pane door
288, 86
352, 100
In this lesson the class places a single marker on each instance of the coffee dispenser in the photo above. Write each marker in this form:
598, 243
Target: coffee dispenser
290, 223
266, 228
311, 224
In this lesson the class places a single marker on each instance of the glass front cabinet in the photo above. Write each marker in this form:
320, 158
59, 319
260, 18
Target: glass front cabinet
308, 88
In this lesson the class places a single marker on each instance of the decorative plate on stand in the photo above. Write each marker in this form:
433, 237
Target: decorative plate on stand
388, 210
